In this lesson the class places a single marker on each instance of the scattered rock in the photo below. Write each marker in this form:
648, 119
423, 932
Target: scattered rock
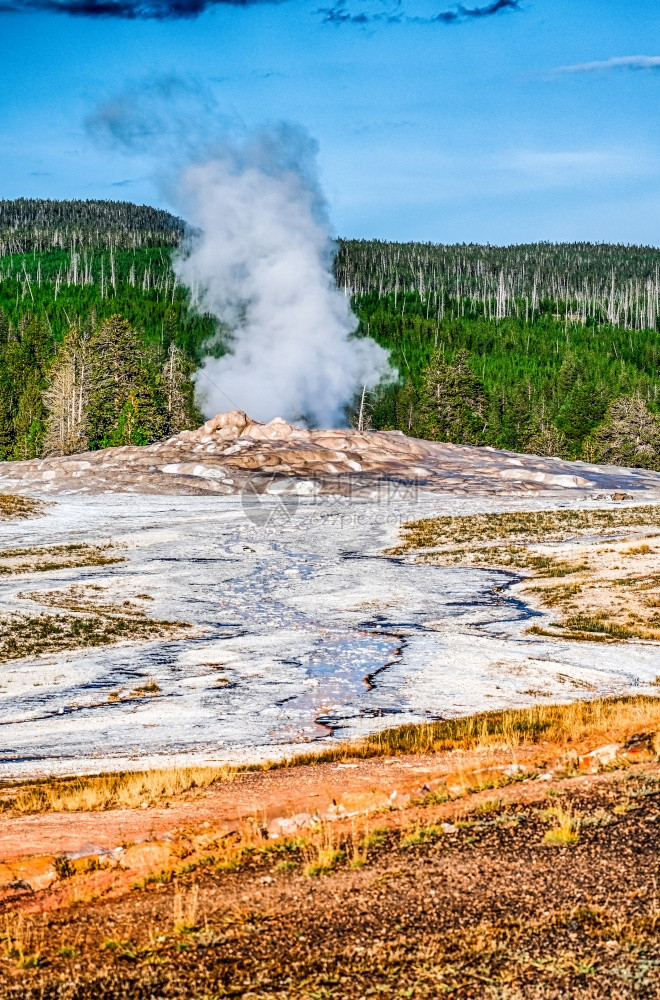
612, 497
513, 769
34, 872
592, 762
88, 850
642, 746
285, 826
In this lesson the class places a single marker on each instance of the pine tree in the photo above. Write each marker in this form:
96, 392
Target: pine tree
629, 435
4, 327
29, 421
67, 398
125, 406
6, 423
407, 408
27, 358
582, 411
453, 401
547, 440
571, 374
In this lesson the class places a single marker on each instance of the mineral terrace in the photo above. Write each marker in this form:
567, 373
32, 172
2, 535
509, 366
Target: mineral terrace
244, 589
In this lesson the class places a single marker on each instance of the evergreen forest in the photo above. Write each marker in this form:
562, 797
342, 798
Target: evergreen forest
544, 348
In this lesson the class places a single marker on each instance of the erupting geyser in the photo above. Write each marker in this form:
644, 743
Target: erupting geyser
262, 263
259, 257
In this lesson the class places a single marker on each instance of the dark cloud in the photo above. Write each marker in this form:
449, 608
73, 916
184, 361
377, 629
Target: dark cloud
172, 10
491, 8
342, 14
131, 10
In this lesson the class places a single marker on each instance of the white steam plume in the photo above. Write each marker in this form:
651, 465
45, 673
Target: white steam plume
261, 263
260, 259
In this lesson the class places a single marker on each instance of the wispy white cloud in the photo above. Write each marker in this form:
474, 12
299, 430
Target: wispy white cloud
617, 62
554, 168
445, 178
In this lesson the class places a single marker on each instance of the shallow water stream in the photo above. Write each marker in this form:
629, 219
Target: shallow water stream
304, 631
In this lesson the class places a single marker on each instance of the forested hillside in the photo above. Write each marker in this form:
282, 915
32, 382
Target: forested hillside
550, 349
37, 224
97, 341
546, 348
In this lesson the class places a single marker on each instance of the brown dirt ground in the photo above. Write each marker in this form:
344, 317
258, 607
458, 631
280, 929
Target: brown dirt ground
486, 910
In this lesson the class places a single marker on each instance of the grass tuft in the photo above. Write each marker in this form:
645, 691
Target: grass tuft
12, 506
564, 833
125, 790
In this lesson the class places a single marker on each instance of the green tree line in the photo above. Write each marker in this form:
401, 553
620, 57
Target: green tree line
544, 387
104, 386
551, 349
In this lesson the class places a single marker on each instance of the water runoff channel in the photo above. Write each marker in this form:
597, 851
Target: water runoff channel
302, 630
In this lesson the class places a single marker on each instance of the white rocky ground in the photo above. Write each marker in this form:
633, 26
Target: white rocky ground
294, 604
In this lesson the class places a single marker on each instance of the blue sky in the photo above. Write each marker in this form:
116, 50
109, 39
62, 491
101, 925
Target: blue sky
445, 132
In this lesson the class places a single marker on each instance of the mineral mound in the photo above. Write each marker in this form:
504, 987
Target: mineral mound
232, 453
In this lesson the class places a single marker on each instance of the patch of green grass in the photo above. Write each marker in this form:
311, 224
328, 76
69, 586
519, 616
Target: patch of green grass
228, 865
285, 866
565, 831
325, 862
374, 838
285, 845
116, 944
422, 835
434, 798
32, 635
30, 961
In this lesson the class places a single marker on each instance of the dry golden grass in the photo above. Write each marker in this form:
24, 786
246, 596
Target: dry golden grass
324, 851
45, 559
12, 506
527, 526
126, 790
185, 905
578, 724
598, 720
22, 943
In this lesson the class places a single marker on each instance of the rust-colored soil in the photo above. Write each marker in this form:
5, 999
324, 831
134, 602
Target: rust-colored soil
361, 785
481, 906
